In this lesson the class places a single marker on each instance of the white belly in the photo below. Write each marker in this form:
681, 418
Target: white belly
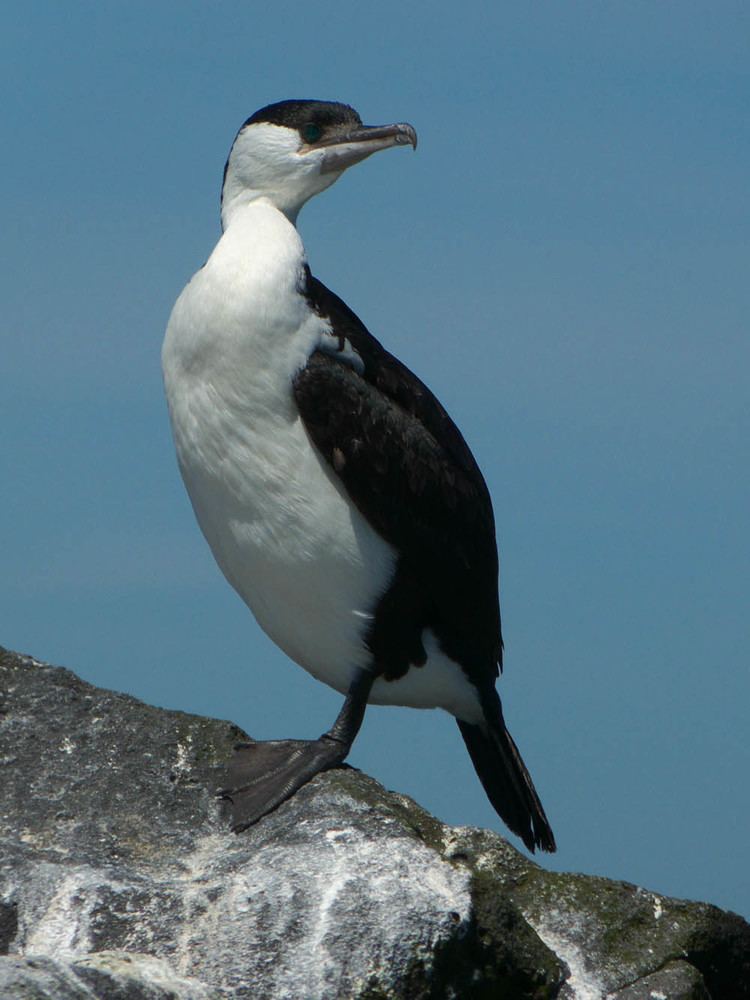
279, 524
304, 560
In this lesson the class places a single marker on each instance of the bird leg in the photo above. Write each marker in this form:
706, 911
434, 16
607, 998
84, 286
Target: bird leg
263, 774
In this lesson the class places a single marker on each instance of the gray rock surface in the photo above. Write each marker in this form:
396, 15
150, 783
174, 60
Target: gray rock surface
676, 981
119, 880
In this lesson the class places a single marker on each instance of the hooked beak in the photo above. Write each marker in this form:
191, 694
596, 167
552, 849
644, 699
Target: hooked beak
353, 145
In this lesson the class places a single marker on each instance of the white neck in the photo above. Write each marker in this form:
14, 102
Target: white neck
260, 246
235, 198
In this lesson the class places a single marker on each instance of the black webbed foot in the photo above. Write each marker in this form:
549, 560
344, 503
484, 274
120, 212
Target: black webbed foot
261, 775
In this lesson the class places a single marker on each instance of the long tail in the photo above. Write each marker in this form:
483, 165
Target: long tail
506, 781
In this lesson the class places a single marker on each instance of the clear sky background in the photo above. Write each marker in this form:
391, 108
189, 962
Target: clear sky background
564, 261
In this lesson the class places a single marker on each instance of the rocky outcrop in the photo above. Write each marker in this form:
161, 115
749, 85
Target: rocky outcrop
119, 880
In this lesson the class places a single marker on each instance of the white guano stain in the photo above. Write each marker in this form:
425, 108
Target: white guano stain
62, 929
582, 983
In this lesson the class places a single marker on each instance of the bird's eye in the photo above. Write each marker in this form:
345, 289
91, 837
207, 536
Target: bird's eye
311, 132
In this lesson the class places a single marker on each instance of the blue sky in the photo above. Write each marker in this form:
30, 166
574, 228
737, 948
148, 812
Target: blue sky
564, 261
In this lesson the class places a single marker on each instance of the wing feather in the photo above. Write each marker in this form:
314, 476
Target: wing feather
409, 471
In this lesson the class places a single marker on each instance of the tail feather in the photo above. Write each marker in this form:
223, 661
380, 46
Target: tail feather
507, 782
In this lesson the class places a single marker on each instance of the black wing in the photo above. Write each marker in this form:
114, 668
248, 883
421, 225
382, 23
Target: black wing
409, 471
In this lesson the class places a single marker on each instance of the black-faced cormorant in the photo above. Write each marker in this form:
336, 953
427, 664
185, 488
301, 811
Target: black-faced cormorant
337, 495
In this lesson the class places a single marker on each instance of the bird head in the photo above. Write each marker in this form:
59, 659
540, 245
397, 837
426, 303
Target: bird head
290, 151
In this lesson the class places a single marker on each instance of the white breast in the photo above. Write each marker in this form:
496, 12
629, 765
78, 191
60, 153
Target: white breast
279, 524
304, 560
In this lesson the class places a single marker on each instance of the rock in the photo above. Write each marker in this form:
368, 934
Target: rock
676, 981
119, 880
109, 975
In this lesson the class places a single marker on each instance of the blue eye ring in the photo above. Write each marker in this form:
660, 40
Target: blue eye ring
311, 132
